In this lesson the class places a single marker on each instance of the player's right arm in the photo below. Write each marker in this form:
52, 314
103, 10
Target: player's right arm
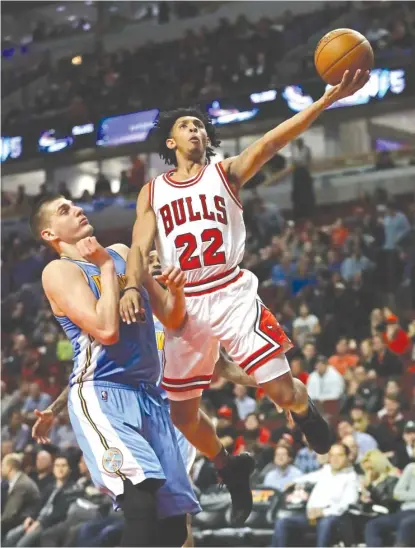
70, 295
144, 232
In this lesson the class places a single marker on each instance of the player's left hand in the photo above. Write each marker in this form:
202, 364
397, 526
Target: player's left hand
173, 278
348, 86
42, 426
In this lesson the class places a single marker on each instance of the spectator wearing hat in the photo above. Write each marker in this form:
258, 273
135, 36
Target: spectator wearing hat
396, 339
384, 362
405, 451
225, 428
325, 383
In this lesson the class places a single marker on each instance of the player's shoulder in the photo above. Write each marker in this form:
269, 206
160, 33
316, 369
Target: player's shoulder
121, 249
58, 271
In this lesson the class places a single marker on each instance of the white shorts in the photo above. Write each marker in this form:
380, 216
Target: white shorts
231, 315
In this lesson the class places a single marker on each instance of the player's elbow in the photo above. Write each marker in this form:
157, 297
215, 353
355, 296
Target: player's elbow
109, 337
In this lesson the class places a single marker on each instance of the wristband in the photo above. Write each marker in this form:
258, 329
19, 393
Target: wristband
129, 289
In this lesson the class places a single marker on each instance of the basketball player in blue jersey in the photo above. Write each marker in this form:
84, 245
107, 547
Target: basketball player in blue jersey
117, 410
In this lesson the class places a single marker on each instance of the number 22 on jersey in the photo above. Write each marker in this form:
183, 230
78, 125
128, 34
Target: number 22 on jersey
210, 256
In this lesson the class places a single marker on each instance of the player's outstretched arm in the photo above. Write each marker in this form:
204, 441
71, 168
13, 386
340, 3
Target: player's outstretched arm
144, 232
69, 293
240, 169
169, 305
232, 372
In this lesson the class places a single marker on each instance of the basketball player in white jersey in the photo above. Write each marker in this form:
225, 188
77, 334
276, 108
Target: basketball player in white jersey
194, 214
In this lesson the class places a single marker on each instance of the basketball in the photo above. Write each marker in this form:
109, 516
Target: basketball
341, 50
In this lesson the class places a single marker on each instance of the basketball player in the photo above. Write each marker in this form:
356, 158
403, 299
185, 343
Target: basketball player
194, 214
117, 411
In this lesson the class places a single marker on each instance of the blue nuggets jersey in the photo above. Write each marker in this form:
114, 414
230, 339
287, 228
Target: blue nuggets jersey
133, 359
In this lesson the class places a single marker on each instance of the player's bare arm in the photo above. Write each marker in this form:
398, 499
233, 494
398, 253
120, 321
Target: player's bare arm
69, 294
169, 304
230, 371
45, 419
144, 232
240, 169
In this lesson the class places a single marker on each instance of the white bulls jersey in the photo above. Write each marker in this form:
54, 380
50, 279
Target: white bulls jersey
200, 226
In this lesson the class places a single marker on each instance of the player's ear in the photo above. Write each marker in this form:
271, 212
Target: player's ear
48, 235
171, 143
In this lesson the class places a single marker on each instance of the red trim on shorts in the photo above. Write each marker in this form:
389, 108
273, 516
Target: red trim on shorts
187, 182
211, 279
223, 176
265, 360
202, 381
213, 289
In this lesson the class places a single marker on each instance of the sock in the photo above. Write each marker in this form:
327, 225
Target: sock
221, 459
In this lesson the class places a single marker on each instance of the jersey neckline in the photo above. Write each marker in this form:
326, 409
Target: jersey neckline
186, 182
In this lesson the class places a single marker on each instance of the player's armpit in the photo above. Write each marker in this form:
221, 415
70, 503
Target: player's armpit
70, 295
233, 373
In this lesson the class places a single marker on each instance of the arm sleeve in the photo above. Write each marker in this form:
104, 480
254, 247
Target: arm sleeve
403, 491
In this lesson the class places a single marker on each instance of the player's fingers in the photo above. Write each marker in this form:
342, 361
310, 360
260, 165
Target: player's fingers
160, 278
174, 274
167, 271
345, 80
38, 414
181, 280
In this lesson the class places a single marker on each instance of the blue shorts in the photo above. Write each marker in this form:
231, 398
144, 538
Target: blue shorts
127, 433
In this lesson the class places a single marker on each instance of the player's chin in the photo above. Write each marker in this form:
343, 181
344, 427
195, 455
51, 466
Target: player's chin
86, 230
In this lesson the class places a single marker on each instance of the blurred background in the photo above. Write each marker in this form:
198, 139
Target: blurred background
331, 237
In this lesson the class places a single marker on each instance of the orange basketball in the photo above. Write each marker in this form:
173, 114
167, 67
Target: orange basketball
341, 50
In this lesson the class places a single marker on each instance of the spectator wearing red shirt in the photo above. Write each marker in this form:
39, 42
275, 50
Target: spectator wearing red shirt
396, 339
297, 370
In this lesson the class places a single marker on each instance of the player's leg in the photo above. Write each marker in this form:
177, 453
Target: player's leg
254, 339
290, 394
119, 458
189, 541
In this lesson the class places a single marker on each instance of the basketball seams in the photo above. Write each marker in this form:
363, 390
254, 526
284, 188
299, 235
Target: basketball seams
343, 58
318, 52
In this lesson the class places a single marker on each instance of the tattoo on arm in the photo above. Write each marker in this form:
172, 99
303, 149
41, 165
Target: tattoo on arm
60, 403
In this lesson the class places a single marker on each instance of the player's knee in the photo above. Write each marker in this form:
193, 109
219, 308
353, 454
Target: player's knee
181, 419
281, 390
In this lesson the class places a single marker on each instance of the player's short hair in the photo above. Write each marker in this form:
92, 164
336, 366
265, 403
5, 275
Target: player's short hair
164, 124
37, 218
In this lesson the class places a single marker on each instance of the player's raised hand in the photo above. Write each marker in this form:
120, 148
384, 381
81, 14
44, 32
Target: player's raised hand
173, 278
348, 86
93, 252
131, 309
40, 429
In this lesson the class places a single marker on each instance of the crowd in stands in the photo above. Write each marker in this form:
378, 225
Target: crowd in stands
332, 287
236, 56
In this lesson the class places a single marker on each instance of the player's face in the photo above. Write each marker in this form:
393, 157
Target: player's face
154, 265
66, 222
188, 136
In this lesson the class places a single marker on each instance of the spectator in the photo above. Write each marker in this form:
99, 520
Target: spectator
62, 434
355, 265
301, 154
44, 467
282, 472
379, 530
325, 383
365, 442
54, 510
225, 428
22, 493
384, 362
305, 325
310, 356
297, 370
391, 407
343, 359
380, 478
405, 451
102, 187
35, 400
351, 444
395, 337
253, 437
367, 393
244, 404
335, 489
306, 459
361, 421
390, 428
16, 431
